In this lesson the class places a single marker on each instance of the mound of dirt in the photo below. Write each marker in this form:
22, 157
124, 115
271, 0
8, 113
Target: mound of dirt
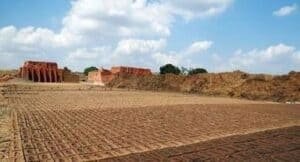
233, 84
6, 75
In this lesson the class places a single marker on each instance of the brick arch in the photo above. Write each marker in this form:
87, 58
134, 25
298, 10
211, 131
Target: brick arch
30, 75
43, 74
42, 79
35, 75
40, 71
47, 75
52, 73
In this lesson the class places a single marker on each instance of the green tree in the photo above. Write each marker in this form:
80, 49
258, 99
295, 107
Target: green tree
89, 69
197, 71
67, 69
169, 68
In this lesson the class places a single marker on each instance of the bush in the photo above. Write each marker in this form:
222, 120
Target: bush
89, 69
169, 69
67, 69
197, 71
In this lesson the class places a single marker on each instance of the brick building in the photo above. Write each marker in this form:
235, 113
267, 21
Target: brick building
45, 72
104, 76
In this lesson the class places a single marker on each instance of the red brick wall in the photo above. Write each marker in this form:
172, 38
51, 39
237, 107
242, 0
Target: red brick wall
104, 76
94, 76
130, 71
69, 77
100, 76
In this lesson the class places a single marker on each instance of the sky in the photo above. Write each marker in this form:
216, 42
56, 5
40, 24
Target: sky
220, 35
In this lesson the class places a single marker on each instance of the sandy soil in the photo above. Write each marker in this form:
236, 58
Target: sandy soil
5, 131
87, 124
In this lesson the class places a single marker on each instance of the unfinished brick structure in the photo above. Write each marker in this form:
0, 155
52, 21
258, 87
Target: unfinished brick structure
104, 76
122, 70
69, 77
41, 71
45, 72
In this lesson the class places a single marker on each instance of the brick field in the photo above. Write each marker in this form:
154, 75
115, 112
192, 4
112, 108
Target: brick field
272, 145
76, 123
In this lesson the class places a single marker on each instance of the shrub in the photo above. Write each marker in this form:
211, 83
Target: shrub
169, 69
67, 69
197, 71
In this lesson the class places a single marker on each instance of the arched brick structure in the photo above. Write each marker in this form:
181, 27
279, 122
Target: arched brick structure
41, 71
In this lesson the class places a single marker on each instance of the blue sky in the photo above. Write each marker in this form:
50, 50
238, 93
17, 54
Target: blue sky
23, 13
254, 36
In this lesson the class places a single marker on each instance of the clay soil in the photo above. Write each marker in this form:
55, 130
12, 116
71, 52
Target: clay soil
279, 88
6, 75
82, 123
272, 145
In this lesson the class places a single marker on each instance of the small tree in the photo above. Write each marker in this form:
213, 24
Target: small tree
89, 69
169, 68
67, 69
197, 71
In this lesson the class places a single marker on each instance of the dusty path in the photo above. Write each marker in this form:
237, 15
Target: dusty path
83, 124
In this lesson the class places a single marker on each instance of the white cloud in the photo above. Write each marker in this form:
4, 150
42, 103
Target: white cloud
296, 57
182, 57
270, 54
136, 52
83, 57
198, 47
27, 39
135, 46
88, 54
114, 19
164, 58
198, 8
275, 59
125, 26
286, 10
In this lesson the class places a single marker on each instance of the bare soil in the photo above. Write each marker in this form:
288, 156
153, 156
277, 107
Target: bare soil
5, 133
280, 88
6, 75
272, 145
5, 127
84, 123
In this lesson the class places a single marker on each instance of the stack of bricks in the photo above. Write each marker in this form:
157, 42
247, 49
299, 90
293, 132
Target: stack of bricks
46, 72
104, 76
70, 77
41, 71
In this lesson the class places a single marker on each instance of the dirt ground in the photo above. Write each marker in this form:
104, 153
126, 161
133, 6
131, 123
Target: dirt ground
82, 123
279, 88
6, 75
5, 129
273, 145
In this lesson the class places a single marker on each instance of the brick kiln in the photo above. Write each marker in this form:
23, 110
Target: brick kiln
46, 72
104, 76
